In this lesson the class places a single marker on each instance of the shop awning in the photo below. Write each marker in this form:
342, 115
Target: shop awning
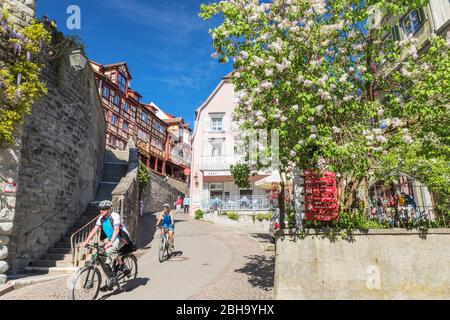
270, 181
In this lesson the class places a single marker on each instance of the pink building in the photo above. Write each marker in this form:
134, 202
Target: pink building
213, 152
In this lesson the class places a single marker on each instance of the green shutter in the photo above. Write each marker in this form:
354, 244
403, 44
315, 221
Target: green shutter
395, 33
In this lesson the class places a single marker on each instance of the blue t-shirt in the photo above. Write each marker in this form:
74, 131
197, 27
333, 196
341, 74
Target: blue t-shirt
107, 228
166, 220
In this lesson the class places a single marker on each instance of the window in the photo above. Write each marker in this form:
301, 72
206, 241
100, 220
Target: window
106, 92
112, 140
125, 126
143, 135
159, 127
122, 83
121, 145
157, 144
126, 107
216, 150
117, 100
144, 116
216, 124
113, 77
114, 120
412, 22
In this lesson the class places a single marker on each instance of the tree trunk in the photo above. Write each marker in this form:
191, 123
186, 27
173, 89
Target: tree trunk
355, 185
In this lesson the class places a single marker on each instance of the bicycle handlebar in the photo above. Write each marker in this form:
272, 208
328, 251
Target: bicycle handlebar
95, 246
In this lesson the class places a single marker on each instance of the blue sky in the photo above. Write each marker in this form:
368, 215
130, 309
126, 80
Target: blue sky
166, 45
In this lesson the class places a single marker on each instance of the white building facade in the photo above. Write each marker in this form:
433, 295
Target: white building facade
214, 151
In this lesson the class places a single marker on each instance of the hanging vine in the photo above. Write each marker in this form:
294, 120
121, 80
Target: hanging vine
20, 83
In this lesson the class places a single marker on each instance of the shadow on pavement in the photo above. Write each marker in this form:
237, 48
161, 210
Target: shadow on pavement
138, 282
260, 270
146, 231
177, 254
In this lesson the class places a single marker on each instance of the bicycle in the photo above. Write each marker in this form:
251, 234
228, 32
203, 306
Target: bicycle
165, 249
87, 281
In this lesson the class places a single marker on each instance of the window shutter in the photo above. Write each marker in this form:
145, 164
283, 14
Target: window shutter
395, 33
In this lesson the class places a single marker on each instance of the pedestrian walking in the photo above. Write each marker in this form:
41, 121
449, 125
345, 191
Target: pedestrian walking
186, 203
179, 203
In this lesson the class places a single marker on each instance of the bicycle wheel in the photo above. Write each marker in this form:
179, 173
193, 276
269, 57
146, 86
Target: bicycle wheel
126, 279
162, 249
86, 284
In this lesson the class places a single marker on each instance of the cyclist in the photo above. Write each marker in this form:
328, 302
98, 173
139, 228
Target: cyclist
116, 235
167, 223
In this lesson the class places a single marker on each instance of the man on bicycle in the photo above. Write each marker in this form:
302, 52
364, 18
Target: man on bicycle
116, 235
167, 223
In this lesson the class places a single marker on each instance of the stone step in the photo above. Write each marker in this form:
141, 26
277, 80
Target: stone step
62, 244
52, 263
59, 251
82, 222
57, 256
104, 191
117, 156
114, 172
52, 270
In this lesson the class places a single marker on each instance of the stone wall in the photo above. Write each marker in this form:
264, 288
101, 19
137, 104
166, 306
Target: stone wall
382, 264
63, 145
22, 11
127, 193
158, 192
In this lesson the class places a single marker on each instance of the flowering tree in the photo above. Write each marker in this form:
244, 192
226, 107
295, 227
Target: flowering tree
20, 85
345, 97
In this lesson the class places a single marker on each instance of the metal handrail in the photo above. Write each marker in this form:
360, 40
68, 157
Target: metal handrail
81, 235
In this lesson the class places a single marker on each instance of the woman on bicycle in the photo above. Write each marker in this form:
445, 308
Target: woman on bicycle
167, 223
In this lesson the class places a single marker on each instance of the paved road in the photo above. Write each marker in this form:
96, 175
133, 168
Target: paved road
214, 263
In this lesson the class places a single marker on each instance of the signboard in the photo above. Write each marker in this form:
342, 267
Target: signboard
320, 194
217, 173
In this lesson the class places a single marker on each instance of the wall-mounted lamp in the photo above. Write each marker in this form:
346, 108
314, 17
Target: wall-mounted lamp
196, 180
78, 60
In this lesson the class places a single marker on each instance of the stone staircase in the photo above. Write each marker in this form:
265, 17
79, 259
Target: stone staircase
58, 259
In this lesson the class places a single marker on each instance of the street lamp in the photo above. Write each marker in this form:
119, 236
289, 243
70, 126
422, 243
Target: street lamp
78, 60
196, 180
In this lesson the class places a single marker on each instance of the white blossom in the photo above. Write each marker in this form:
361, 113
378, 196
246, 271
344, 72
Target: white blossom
396, 122
268, 72
266, 85
336, 129
343, 78
408, 139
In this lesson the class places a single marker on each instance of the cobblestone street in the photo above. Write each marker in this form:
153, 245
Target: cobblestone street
217, 263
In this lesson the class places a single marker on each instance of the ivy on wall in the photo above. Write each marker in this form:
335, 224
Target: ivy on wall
20, 83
